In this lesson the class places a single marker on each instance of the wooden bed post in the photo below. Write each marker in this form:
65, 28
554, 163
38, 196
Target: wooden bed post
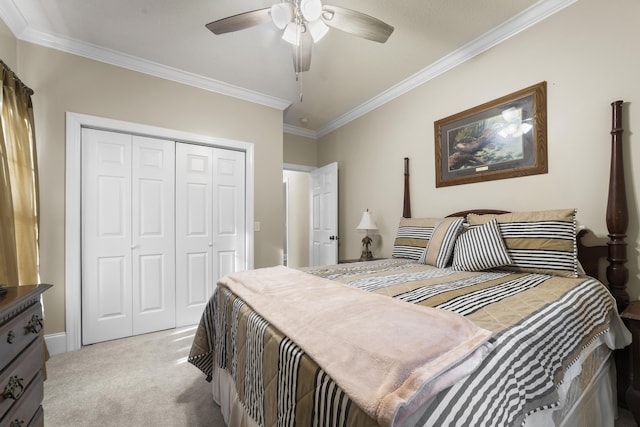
406, 211
617, 215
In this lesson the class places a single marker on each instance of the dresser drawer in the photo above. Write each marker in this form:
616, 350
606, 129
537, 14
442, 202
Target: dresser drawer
19, 332
15, 377
26, 407
38, 419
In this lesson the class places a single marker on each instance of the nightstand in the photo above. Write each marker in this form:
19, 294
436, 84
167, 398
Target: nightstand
632, 315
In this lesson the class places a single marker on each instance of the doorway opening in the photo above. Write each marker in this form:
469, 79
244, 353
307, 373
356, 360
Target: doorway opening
297, 198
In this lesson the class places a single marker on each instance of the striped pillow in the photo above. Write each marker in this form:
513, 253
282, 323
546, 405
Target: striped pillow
538, 242
443, 239
480, 248
413, 236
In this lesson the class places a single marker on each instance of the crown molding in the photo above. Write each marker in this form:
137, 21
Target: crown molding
11, 15
297, 168
295, 130
529, 17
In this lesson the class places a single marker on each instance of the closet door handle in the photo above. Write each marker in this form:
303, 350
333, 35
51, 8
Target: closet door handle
134, 246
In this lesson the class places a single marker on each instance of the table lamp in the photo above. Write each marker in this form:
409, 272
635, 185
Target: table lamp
367, 224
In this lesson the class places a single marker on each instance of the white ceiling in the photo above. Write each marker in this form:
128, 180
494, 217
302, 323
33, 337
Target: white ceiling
348, 77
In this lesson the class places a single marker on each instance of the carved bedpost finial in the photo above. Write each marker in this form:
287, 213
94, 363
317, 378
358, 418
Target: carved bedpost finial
617, 214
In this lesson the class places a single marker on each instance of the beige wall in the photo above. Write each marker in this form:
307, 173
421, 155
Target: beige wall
299, 217
588, 55
64, 82
299, 150
8, 47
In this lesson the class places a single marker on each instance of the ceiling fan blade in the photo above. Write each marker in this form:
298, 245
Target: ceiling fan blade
240, 21
356, 23
302, 53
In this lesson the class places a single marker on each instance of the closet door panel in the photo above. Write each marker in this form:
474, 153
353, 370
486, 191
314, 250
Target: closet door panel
153, 230
229, 211
197, 280
195, 276
111, 288
106, 236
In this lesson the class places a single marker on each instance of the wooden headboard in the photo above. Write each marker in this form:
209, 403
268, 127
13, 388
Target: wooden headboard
617, 219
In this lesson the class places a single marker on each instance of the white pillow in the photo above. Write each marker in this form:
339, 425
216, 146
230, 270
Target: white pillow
480, 248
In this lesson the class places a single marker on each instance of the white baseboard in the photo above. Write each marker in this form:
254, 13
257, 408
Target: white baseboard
56, 343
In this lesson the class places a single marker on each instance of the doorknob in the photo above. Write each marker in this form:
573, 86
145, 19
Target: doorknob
333, 237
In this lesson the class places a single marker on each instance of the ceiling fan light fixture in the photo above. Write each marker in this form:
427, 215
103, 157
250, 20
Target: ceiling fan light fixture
281, 14
290, 34
311, 9
318, 29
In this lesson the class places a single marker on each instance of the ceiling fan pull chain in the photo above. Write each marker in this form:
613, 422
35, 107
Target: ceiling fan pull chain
299, 81
298, 59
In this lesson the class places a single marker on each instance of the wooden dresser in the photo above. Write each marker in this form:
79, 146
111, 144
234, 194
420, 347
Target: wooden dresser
21, 357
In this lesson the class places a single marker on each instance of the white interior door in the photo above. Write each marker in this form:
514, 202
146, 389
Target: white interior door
324, 215
229, 246
153, 242
210, 224
161, 222
194, 237
106, 236
127, 235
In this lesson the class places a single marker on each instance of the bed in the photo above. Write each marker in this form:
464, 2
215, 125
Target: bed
479, 318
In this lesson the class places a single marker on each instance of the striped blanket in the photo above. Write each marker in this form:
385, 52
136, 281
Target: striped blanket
542, 325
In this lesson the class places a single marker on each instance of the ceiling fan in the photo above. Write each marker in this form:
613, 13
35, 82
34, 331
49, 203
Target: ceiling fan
304, 22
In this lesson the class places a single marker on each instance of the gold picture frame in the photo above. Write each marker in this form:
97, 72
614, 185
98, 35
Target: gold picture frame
503, 138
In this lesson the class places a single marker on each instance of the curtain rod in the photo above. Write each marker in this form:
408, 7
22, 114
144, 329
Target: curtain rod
16, 78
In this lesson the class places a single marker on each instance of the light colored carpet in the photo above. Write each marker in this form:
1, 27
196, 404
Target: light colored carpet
138, 381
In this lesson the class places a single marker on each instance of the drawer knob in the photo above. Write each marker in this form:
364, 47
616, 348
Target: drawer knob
10, 337
35, 324
14, 388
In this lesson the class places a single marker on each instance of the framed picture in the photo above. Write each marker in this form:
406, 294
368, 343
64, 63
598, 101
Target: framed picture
503, 138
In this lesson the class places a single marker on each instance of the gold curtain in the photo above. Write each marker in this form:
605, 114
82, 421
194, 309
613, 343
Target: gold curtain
19, 216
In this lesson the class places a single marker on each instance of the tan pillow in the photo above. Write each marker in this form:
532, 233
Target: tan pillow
538, 241
443, 239
413, 236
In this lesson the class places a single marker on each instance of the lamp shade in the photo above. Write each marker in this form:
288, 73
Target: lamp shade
367, 222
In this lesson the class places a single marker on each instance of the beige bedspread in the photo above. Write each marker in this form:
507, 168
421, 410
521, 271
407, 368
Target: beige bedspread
387, 355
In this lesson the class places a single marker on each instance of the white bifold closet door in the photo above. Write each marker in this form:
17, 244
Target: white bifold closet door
128, 235
210, 224
161, 222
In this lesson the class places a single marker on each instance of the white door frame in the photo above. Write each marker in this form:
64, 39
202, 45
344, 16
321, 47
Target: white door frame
73, 191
